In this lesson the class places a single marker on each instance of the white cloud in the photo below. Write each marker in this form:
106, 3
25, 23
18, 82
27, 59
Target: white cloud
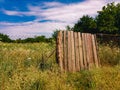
59, 15
70, 12
110, 1
22, 30
53, 4
56, 11
11, 12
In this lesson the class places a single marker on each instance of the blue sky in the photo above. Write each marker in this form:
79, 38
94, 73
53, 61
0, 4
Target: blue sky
26, 18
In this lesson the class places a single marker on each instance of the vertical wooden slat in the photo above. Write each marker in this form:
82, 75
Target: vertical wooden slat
69, 52
76, 51
87, 50
84, 51
77, 63
65, 51
80, 51
72, 52
94, 51
96, 44
91, 51
60, 50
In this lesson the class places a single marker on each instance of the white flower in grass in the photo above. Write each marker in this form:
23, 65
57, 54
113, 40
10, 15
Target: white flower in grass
29, 58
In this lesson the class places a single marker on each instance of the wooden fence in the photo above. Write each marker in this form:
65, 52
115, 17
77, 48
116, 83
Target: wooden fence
76, 51
112, 40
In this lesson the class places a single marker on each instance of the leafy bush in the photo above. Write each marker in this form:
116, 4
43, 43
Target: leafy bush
4, 38
109, 55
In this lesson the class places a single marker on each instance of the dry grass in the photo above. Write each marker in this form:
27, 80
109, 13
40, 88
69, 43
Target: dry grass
20, 69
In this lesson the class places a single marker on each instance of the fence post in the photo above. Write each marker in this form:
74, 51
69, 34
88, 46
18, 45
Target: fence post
95, 51
76, 51
60, 49
65, 50
84, 51
73, 52
80, 51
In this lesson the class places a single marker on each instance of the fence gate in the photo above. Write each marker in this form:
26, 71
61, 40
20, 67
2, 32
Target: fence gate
76, 51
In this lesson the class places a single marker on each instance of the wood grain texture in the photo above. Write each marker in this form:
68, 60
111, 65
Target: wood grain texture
80, 51
73, 52
65, 51
76, 51
97, 49
94, 51
91, 51
84, 51
69, 52
77, 63
60, 50
87, 50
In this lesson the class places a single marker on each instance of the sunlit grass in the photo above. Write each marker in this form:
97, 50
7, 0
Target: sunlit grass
26, 67
109, 55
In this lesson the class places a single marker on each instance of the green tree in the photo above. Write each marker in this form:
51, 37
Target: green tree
107, 20
40, 39
117, 17
86, 24
4, 38
54, 35
28, 40
68, 28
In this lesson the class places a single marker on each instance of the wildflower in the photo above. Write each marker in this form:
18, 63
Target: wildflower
29, 58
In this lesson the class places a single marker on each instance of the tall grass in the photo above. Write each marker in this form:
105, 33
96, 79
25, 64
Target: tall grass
109, 55
26, 67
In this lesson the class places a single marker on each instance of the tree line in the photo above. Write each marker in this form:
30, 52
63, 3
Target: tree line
107, 21
5, 38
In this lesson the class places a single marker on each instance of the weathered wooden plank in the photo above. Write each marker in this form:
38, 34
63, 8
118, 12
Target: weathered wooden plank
57, 49
72, 52
97, 49
65, 51
76, 51
94, 51
60, 50
69, 52
89, 51
84, 51
81, 58
77, 63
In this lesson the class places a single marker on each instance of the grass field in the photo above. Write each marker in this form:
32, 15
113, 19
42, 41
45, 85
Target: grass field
27, 67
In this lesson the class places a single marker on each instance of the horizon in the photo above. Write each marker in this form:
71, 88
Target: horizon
35, 18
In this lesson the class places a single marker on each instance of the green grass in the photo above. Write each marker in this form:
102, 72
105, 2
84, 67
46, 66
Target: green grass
26, 67
109, 56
